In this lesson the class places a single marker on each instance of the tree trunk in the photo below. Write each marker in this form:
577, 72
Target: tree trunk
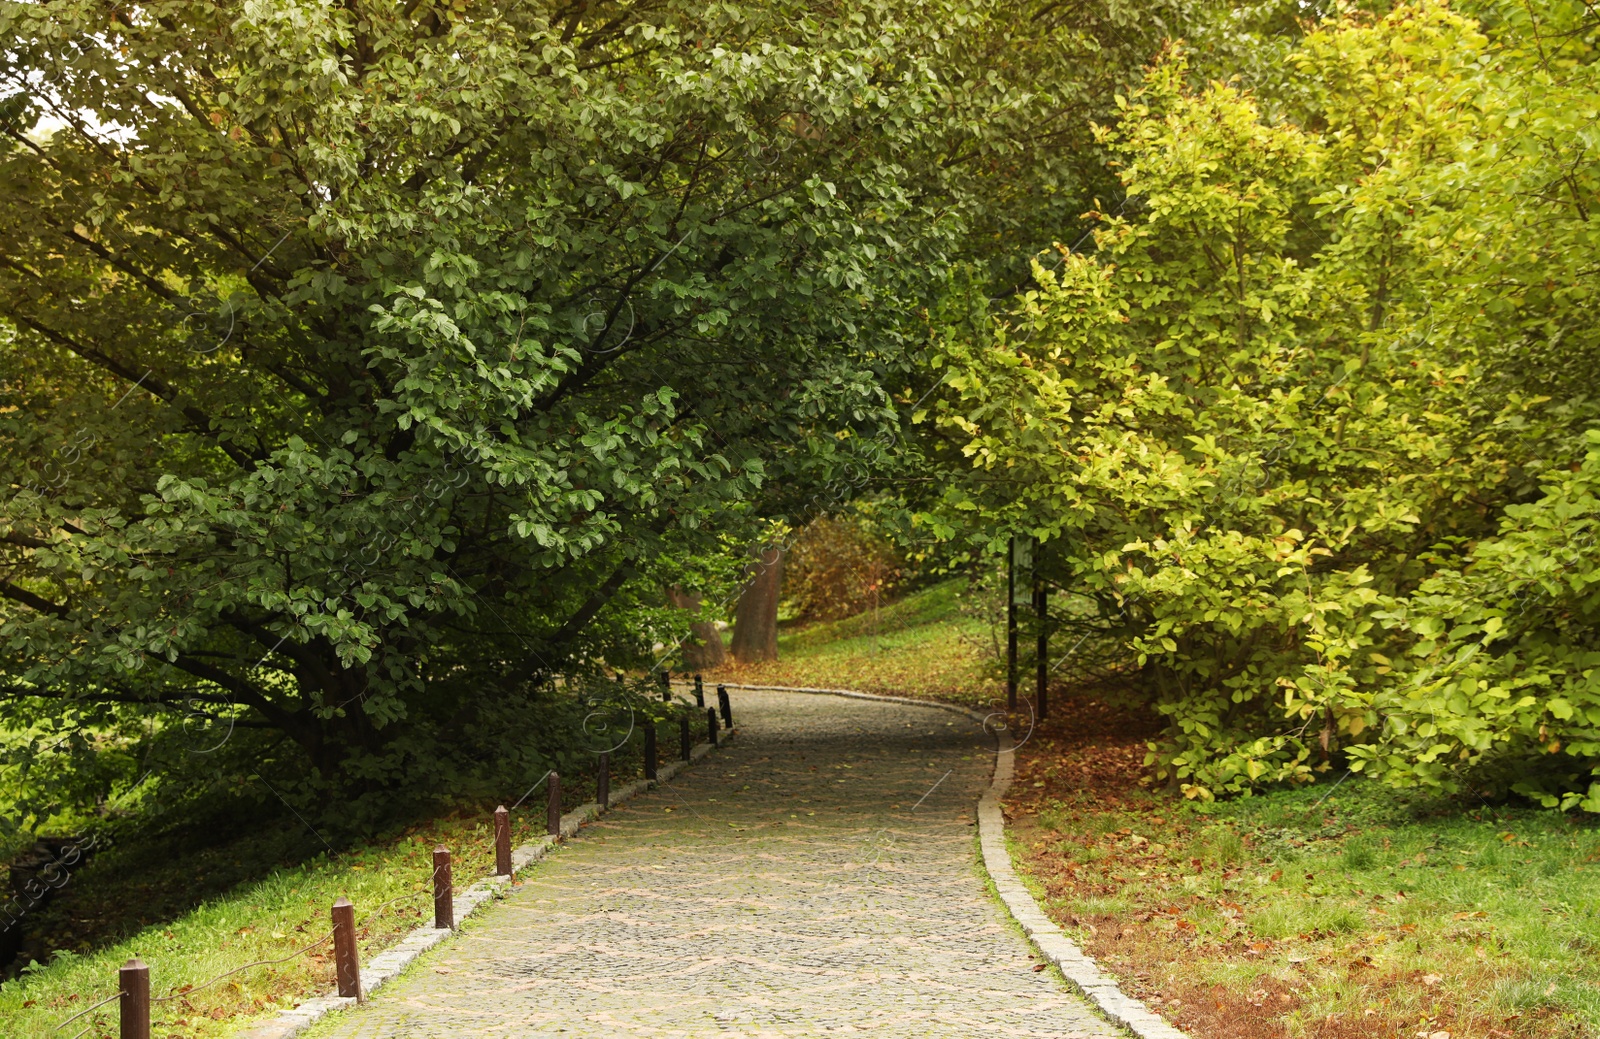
755, 621
703, 649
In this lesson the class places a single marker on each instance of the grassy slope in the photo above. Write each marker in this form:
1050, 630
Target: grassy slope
195, 939
923, 645
1370, 913
1360, 915
266, 920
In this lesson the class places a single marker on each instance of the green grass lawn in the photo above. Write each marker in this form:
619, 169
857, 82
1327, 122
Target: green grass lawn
1334, 911
930, 644
266, 920
193, 912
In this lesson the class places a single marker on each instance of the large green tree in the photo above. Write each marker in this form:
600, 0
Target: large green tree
360, 354
1306, 425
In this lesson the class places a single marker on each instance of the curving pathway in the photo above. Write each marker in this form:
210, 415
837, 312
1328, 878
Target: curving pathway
816, 877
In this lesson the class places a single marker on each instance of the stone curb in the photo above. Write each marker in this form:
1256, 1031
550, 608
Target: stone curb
1077, 966
387, 965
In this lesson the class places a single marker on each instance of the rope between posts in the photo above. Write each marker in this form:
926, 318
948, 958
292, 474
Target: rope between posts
414, 894
87, 1010
259, 963
204, 985
90, 1028
191, 990
531, 789
284, 959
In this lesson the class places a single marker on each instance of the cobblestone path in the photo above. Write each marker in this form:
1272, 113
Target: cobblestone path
816, 877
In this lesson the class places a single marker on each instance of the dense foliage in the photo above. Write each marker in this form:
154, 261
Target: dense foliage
365, 361
838, 566
1311, 419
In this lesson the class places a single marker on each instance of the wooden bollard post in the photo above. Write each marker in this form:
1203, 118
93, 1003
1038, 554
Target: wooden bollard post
699, 692
666, 686
685, 742
444, 890
552, 811
602, 792
711, 725
650, 749
134, 982
726, 705
346, 959
502, 842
